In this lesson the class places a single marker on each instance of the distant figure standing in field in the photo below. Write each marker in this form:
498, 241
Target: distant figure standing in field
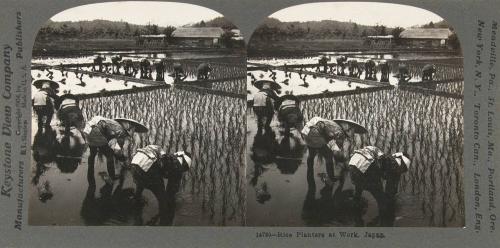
69, 112
341, 64
43, 102
368, 167
202, 71
150, 165
179, 75
384, 69
428, 72
109, 137
263, 105
98, 61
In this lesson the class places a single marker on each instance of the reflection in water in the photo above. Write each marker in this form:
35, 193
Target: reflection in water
55, 146
289, 154
211, 127
121, 206
264, 149
71, 146
44, 145
429, 128
333, 206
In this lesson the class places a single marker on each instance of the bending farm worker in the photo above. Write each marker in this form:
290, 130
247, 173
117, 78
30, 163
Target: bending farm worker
109, 137
69, 112
326, 138
179, 74
369, 167
202, 71
150, 165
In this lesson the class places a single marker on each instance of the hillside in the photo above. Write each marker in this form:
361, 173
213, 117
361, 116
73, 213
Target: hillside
104, 29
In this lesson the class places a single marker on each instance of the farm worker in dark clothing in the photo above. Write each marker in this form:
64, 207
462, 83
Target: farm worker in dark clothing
160, 70
326, 138
370, 70
384, 69
203, 70
116, 64
323, 61
428, 72
403, 74
179, 74
43, 103
150, 165
263, 106
369, 166
341, 64
108, 137
289, 113
69, 112
97, 61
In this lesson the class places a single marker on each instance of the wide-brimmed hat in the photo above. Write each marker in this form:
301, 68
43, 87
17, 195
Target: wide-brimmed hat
259, 83
140, 128
348, 125
41, 82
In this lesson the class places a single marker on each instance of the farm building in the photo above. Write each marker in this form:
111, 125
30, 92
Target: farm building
379, 41
151, 40
425, 37
206, 36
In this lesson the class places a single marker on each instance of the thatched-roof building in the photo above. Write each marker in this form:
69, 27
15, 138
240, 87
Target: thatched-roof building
207, 36
425, 37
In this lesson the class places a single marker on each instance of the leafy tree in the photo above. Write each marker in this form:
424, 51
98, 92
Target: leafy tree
396, 33
453, 41
355, 30
169, 32
226, 38
364, 33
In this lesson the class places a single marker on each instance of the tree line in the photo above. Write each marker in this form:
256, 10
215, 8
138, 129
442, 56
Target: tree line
104, 29
274, 29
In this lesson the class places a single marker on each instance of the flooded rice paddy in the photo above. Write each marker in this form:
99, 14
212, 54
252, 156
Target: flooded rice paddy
210, 126
282, 192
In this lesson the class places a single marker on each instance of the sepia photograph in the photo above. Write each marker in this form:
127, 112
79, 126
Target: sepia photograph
138, 117
355, 118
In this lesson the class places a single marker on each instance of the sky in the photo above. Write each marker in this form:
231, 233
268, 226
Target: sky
159, 13
390, 15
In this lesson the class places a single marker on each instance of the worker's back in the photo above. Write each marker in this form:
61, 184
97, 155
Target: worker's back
41, 98
260, 99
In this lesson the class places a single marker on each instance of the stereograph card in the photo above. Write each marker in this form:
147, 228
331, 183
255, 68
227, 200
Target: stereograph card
249, 123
